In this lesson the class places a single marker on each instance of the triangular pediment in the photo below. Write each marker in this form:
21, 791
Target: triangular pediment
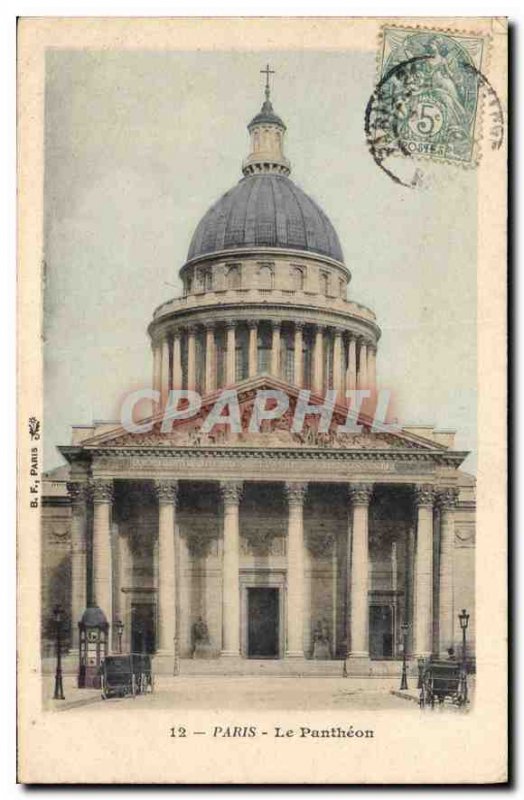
165, 431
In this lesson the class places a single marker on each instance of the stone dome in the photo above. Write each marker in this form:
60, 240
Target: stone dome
265, 210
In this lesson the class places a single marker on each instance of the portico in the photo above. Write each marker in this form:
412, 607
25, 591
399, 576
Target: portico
316, 551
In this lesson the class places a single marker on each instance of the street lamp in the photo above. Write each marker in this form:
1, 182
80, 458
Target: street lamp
404, 680
464, 620
119, 631
58, 615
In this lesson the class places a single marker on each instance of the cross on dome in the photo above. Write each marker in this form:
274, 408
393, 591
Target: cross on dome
267, 72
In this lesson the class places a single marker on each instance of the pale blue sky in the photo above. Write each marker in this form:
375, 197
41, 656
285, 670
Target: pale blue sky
139, 145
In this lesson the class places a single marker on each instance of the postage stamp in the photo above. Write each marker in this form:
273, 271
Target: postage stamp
430, 81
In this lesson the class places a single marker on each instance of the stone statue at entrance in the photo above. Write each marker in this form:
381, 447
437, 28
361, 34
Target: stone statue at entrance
321, 641
200, 638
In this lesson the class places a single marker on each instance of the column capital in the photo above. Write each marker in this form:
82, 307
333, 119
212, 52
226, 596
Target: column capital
231, 492
210, 325
230, 324
295, 493
360, 493
176, 333
166, 492
299, 325
276, 324
252, 324
78, 492
102, 491
338, 332
447, 497
424, 494
192, 329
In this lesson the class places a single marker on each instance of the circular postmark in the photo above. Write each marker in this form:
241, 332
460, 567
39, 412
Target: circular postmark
427, 107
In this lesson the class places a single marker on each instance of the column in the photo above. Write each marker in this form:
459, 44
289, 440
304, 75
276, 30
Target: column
157, 370
253, 349
102, 567
125, 575
191, 357
231, 493
337, 364
362, 376
351, 372
372, 368
210, 376
295, 493
177, 361
230, 353
166, 492
360, 496
298, 361
275, 349
423, 588
318, 360
164, 386
446, 500
77, 494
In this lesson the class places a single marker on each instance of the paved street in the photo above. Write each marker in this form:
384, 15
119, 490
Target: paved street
237, 693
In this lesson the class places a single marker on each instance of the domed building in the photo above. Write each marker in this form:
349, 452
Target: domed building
268, 547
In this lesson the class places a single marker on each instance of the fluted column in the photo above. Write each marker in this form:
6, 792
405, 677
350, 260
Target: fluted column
298, 362
360, 496
77, 494
295, 493
166, 492
177, 360
231, 493
318, 360
351, 372
423, 626
275, 349
253, 349
102, 562
210, 376
230, 353
164, 387
338, 384
362, 375
447, 501
191, 357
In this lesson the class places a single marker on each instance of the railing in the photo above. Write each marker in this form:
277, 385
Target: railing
242, 296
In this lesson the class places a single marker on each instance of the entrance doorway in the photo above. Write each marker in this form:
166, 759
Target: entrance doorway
143, 628
263, 622
380, 631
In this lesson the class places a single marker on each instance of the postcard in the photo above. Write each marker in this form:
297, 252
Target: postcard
262, 523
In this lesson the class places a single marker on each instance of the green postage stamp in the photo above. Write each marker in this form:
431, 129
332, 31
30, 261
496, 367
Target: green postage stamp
430, 81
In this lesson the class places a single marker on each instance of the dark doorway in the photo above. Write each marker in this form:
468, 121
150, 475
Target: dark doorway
263, 623
143, 628
380, 632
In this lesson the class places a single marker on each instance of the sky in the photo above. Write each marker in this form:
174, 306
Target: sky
138, 145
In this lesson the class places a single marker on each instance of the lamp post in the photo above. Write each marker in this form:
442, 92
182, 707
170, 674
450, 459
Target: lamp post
464, 620
404, 680
119, 631
59, 688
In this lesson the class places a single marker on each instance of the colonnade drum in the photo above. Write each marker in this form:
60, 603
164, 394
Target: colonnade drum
316, 357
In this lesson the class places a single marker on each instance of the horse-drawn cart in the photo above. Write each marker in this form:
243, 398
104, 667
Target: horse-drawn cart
443, 680
124, 675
